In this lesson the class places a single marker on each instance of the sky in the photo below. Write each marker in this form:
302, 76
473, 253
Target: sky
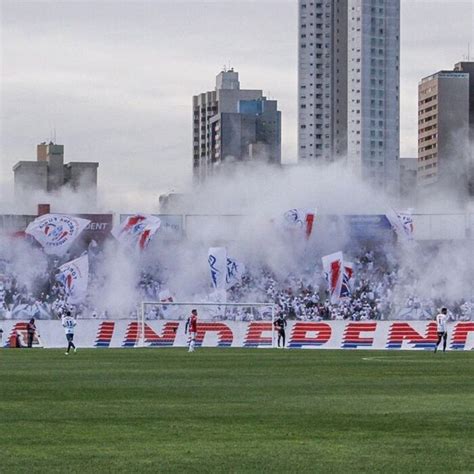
113, 81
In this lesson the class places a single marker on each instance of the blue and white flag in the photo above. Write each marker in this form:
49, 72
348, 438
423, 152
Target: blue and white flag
235, 271
217, 259
347, 280
402, 223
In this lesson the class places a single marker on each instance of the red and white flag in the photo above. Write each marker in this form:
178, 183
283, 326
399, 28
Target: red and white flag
333, 266
56, 232
74, 276
300, 219
137, 231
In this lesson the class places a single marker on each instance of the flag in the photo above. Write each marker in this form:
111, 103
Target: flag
56, 232
137, 231
300, 219
333, 267
235, 271
217, 259
402, 223
165, 296
346, 287
74, 276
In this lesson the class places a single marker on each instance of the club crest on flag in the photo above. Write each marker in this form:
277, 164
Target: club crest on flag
56, 232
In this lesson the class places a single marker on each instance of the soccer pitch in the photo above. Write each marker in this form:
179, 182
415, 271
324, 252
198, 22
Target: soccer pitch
236, 410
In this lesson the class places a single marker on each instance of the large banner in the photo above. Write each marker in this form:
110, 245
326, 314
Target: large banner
358, 227
390, 335
98, 229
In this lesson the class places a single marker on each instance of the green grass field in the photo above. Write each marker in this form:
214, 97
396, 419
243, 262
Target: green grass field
236, 410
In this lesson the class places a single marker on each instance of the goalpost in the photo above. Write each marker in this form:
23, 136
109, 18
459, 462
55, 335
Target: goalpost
207, 311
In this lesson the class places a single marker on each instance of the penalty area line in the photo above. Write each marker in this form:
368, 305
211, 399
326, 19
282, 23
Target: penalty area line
395, 359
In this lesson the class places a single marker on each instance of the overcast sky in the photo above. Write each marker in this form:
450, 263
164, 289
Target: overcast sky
115, 79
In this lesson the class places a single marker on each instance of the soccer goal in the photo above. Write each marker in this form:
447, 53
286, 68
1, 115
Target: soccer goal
207, 312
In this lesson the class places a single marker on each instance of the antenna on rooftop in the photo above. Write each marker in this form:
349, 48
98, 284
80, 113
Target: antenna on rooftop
468, 57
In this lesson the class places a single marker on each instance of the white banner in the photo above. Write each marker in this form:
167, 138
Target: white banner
137, 231
74, 276
389, 335
56, 232
333, 266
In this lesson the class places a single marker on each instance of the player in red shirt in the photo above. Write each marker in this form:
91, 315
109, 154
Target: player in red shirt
191, 325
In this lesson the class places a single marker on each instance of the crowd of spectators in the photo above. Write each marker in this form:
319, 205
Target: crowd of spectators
380, 290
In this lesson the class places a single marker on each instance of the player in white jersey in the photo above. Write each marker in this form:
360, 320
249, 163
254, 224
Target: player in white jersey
442, 329
69, 324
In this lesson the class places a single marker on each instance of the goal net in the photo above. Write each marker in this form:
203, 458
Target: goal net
207, 312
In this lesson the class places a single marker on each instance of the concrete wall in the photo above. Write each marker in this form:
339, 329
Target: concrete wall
30, 176
81, 175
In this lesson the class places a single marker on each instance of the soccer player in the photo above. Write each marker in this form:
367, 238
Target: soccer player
31, 330
191, 324
69, 323
280, 325
441, 321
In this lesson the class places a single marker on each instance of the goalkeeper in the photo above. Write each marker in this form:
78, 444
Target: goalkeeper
280, 325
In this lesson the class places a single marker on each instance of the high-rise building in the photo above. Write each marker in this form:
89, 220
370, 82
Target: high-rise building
468, 67
349, 54
233, 125
322, 79
49, 172
443, 128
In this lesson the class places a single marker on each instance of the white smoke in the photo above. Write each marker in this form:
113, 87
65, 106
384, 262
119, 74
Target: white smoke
239, 209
